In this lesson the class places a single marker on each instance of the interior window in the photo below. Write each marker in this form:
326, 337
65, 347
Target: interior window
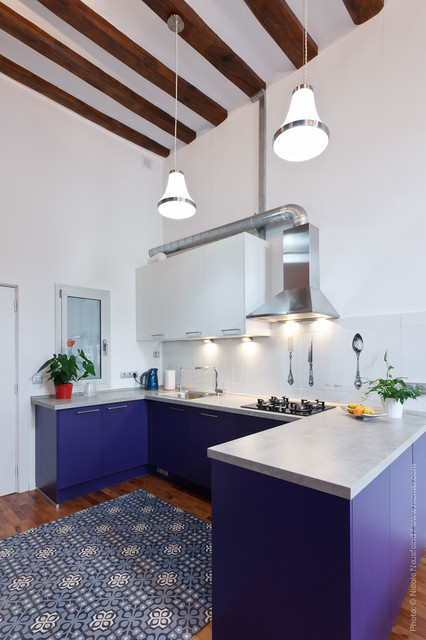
83, 315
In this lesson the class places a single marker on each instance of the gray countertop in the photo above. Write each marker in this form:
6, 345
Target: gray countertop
230, 402
331, 452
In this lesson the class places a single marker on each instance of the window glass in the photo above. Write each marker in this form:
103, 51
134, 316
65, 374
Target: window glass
83, 315
84, 326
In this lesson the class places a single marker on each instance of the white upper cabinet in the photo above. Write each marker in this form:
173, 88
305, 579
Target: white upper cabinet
185, 295
235, 277
151, 301
204, 292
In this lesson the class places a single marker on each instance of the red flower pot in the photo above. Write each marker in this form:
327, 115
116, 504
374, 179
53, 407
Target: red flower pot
64, 391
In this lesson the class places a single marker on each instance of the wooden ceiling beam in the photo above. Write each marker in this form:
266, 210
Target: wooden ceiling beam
280, 22
205, 41
79, 16
363, 10
34, 37
31, 80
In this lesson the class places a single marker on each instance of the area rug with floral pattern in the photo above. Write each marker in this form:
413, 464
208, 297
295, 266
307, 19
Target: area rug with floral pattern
133, 568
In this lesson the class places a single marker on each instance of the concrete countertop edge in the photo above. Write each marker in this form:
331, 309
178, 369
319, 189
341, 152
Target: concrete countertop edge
110, 396
340, 491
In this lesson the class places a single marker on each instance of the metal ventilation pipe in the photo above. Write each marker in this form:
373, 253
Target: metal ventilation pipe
291, 213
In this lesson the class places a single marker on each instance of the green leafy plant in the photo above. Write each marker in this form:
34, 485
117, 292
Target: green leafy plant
391, 387
64, 368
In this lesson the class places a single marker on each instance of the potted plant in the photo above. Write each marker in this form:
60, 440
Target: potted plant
64, 368
393, 391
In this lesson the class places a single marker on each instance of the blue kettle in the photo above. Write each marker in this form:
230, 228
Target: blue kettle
149, 379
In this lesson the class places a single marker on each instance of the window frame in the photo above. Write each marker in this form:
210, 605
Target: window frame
62, 293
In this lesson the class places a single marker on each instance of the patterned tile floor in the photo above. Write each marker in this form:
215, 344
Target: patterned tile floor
134, 568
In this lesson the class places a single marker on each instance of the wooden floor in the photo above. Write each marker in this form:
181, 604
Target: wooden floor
22, 511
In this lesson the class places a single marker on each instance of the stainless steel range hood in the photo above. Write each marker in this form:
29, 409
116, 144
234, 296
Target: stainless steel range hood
302, 298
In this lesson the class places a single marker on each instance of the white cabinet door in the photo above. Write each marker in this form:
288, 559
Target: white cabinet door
185, 295
224, 285
151, 302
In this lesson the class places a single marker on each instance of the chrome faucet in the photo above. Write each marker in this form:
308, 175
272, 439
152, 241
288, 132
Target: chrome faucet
180, 379
217, 389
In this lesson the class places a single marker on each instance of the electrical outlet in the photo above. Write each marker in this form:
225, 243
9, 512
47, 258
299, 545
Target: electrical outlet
128, 374
37, 379
155, 354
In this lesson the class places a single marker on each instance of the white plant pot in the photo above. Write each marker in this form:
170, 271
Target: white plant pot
393, 408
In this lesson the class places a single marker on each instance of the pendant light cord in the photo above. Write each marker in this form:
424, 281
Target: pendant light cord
176, 82
305, 20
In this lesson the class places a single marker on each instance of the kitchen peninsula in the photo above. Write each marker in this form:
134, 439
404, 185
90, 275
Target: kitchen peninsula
312, 527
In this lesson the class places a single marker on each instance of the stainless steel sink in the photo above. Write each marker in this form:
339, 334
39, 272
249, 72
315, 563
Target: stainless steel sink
185, 395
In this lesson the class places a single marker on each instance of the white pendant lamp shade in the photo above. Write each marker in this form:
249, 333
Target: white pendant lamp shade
302, 135
176, 202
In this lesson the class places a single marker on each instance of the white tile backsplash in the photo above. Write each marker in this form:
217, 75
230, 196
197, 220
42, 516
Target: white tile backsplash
413, 350
261, 367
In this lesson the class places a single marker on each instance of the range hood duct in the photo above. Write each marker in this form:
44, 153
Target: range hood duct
290, 213
301, 298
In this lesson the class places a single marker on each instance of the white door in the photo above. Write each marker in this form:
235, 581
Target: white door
7, 391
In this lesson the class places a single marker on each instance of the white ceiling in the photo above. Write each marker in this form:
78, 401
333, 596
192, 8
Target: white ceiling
232, 21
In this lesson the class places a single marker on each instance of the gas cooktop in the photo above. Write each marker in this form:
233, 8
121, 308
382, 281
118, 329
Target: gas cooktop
289, 407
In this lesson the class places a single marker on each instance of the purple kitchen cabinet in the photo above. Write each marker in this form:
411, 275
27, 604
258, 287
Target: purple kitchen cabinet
168, 437
78, 440
419, 493
370, 561
84, 449
180, 436
122, 437
400, 529
207, 428
281, 560
296, 561
253, 424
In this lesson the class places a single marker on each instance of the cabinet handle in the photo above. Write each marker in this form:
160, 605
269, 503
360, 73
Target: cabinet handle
208, 415
176, 409
157, 335
88, 411
233, 330
192, 333
122, 406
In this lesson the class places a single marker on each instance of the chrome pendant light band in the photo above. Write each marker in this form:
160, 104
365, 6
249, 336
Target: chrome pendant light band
304, 85
177, 199
302, 123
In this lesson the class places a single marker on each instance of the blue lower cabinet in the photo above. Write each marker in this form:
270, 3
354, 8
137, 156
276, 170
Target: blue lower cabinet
79, 453
207, 429
253, 424
88, 448
418, 487
180, 437
168, 437
121, 437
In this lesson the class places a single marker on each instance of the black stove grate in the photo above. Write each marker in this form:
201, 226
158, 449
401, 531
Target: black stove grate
286, 406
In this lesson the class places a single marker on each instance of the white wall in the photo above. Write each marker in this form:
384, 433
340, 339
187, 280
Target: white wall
78, 208
365, 193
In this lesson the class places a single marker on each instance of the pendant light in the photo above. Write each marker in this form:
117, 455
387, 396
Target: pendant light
176, 202
302, 135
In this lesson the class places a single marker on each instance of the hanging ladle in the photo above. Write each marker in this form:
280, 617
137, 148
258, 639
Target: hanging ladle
357, 346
